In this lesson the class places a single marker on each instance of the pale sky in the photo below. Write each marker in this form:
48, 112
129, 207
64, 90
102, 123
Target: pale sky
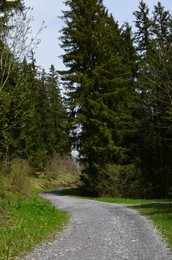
48, 10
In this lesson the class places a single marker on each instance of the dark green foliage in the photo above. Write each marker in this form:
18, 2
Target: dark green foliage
118, 181
116, 110
153, 39
58, 113
143, 25
97, 84
32, 115
42, 127
118, 93
11, 5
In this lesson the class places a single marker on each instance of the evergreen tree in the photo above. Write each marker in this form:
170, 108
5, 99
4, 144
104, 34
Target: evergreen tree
143, 26
7, 6
97, 83
58, 114
43, 130
32, 114
161, 21
35, 128
10, 116
152, 106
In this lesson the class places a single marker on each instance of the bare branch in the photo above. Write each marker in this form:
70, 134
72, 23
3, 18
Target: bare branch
18, 42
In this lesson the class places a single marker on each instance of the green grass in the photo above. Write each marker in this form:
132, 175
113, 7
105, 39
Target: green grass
128, 201
76, 193
161, 216
25, 223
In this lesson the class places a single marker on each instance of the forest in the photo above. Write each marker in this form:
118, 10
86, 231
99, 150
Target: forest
112, 103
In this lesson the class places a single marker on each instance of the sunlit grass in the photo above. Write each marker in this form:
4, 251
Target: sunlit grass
129, 201
161, 216
24, 223
25, 218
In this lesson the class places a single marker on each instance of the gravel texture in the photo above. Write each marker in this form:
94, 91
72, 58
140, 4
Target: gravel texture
101, 231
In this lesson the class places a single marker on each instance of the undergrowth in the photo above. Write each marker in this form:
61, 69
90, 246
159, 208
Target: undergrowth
77, 192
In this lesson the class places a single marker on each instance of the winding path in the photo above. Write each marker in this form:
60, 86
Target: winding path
101, 231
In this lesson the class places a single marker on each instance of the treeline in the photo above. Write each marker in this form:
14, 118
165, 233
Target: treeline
33, 124
119, 92
116, 107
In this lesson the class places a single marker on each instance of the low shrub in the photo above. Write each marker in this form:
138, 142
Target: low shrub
63, 169
19, 177
120, 181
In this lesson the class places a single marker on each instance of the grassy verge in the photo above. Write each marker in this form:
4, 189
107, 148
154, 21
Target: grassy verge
161, 216
76, 193
24, 223
25, 218
128, 201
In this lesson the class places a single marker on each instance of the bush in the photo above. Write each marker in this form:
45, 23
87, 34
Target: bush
120, 181
2, 184
19, 177
64, 170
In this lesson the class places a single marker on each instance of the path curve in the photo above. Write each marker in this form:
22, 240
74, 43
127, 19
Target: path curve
101, 231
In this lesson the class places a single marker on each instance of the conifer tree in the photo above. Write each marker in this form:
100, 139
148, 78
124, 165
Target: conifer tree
97, 83
42, 128
35, 129
11, 5
153, 97
58, 114
143, 32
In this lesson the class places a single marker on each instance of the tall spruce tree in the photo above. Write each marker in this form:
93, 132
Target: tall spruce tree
97, 83
143, 32
43, 129
58, 114
153, 97
160, 74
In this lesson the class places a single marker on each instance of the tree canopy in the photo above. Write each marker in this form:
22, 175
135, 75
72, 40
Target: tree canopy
113, 102
117, 97
32, 112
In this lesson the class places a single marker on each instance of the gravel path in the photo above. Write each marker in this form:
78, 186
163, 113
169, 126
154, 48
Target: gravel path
101, 231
